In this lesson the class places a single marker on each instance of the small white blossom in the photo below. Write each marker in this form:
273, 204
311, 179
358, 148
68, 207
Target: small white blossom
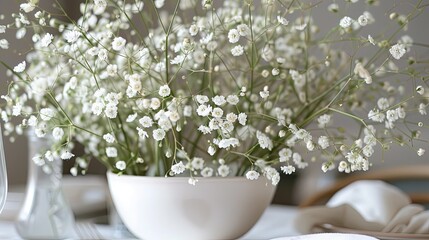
20, 67
72, 36
99, 7
204, 110
111, 110
323, 120
217, 112
229, 142
420, 152
397, 51
323, 142
120, 165
420, 90
285, 154
197, 163
146, 122
2, 28
38, 160
252, 175
237, 51
211, 150
282, 20
207, 172
118, 43
4, 44
383, 103
422, 109
109, 138
363, 20
223, 170
346, 22
264, 141
219, 100
193, 30
242, 118
288, 169
111, 152
201, 99
66, 155
363, 73
142, 133
232, 99
58, 133
376, 115
158, 134
265, 93
159, 3
46, 40
231, 117
46, 114
178, 168
27, 7
233, 36
243, 30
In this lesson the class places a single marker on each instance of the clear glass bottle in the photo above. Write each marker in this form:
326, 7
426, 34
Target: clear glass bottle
45, 213
3, 174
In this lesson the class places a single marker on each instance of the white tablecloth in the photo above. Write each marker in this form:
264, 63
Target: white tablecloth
275, 222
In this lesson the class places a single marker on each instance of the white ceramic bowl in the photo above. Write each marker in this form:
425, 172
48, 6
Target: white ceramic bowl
170, 208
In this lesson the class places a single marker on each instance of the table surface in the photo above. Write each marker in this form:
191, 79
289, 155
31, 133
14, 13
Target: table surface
277, 221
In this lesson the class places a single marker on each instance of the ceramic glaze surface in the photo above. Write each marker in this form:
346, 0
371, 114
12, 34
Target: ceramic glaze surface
170, 208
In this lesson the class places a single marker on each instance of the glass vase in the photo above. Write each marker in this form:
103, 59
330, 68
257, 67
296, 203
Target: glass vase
45, 213
3, 175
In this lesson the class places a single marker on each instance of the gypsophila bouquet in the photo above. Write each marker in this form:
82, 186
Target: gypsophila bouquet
205, 88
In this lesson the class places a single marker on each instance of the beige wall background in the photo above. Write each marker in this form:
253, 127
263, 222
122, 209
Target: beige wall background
16, 152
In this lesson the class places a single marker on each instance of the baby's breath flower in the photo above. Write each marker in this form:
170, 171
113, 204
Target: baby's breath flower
118, 43
282, 20
420, 152
111, 152
346, 22
46, 40
363, 20
233, 35
46, 114
4, 44
178, 168
397, 51
58, 133
237, 51
193, 30
72, 36
66, 155
158, 134
223, 170
289, 169
164, 91
207, 172
252, 175
120, 165
242, 118
20, 67
109, 138
323, 142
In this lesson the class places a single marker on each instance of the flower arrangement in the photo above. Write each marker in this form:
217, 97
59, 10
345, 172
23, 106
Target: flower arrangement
214, 88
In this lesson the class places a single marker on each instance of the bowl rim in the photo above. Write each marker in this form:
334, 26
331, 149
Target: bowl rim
185, 179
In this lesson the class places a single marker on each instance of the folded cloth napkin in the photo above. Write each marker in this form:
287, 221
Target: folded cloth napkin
367, 205
328, 236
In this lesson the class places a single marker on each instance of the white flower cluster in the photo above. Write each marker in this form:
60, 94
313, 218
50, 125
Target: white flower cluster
232, 90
